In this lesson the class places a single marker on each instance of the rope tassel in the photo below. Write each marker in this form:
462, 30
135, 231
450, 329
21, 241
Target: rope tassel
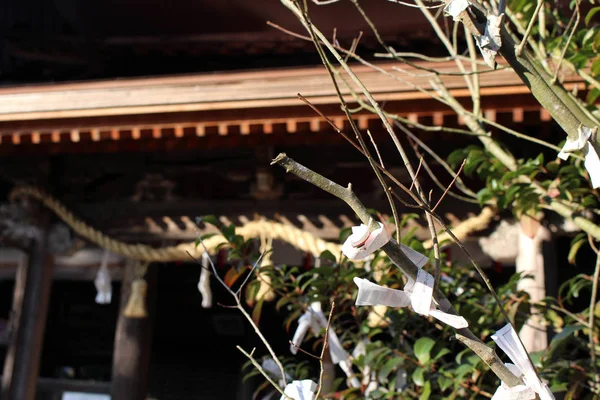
136, 305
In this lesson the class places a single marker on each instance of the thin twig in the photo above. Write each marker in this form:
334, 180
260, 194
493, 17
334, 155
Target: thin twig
325, 344
376, 148
591, 322
417, 173
450, 185
303, 351
401, 261
240, 307
521, 46
577, 15
262, 371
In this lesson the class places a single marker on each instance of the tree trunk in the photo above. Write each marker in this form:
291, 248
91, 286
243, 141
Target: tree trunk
530, 261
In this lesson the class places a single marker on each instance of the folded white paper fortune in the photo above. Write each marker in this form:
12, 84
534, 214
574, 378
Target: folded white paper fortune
315, 320
362, 243
300, 390
592, 161
417, 294
507, 339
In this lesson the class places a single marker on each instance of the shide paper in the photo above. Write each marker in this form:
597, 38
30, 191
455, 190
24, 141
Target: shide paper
508, 340
418, 294
300, 390
582, 143
204, 282
315, 320
103, 281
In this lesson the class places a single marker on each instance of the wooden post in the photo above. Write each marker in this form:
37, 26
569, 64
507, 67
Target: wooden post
133, 339
28, 321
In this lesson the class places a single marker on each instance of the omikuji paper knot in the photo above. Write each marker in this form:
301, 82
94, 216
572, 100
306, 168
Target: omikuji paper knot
418, 294
361, 243
508, 340
204, 282
491, 41
300, 390
582, 143
455, 7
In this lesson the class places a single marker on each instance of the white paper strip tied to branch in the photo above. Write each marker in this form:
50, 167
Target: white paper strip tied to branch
508, 340
418, 294
491, 41
315, 320
300, 390
455, 7
204, 282
362, 243
369, 378
103, 281
582, 143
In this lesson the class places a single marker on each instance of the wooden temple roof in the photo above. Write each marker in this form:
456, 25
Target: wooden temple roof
233, 104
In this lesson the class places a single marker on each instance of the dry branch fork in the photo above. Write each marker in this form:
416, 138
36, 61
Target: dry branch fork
393, 251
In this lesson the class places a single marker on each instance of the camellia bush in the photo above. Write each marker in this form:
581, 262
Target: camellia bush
351, 351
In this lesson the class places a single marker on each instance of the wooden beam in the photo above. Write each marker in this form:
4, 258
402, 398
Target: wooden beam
28, 322
131, 359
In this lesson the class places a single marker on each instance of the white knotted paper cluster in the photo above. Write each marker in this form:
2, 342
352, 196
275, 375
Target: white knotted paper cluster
491, 41
300, 390
315, 320
204, 282
455, 7
103, 281
417, 294
507, 339
582, 143
362, 243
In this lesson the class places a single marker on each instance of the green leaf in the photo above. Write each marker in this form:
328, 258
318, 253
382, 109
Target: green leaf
328, 256
576, 244
209, 219
441, 353
565, 333
422, 349
257, 311
595, 68
418, 376
388, 367
426, 391
591, 14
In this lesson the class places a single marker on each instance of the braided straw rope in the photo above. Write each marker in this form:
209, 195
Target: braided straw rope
302, 240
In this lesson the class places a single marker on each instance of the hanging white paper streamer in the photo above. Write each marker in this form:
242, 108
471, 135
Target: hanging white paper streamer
592, 161
315, 320
300, 390
418, 294
369, 380
508, 340
204, 282
103, 281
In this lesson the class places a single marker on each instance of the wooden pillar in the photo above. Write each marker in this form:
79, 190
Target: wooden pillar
28, 321
133, 339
